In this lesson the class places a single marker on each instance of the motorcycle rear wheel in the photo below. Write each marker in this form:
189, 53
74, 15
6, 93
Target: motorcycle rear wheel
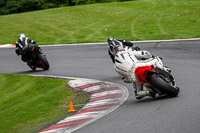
162, 85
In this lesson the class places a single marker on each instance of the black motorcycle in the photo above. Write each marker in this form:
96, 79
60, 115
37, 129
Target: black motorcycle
35, 58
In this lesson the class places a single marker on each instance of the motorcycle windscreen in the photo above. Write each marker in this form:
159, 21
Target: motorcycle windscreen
141, 73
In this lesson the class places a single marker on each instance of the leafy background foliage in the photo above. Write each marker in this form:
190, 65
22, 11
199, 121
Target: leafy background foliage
18, 6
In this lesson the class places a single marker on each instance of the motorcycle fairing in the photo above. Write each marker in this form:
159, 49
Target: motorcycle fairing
141, 73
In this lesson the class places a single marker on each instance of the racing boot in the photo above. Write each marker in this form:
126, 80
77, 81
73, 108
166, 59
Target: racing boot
142, 94
139, 95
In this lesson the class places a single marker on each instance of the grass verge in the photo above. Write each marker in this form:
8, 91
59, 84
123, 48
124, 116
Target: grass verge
133, 20
30, 104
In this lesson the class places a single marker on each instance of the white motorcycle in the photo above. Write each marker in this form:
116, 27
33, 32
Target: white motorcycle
149, 71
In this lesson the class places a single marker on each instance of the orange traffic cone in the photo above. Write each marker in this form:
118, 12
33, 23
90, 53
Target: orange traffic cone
71, 108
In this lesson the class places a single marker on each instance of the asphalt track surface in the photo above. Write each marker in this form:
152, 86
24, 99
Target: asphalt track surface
160, 115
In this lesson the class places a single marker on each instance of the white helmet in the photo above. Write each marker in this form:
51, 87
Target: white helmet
114, 45
22, 36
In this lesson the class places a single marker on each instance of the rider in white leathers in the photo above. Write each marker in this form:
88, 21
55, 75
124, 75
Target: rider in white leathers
127, 59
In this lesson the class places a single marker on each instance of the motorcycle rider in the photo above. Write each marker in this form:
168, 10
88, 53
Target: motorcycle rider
112, 51
126, 58
22, 46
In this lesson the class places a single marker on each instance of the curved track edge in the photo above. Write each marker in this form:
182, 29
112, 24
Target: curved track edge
105, 97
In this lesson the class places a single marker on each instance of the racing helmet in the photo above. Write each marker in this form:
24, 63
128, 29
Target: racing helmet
22, 36
114, 45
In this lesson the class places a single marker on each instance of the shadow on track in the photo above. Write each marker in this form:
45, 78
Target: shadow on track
149, 100
29, 72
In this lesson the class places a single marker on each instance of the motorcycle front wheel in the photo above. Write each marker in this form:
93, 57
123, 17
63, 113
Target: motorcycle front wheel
44, 64
163, 86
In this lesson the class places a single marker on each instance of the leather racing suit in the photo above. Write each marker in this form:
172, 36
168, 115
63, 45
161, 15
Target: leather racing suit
126, 59
21, 47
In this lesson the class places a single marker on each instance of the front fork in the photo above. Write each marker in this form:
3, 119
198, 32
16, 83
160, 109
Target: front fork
166, 76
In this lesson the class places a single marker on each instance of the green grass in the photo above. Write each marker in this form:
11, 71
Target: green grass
134, 20
30, 104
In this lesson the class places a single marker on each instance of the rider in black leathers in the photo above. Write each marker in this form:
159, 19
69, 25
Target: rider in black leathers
22, 47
